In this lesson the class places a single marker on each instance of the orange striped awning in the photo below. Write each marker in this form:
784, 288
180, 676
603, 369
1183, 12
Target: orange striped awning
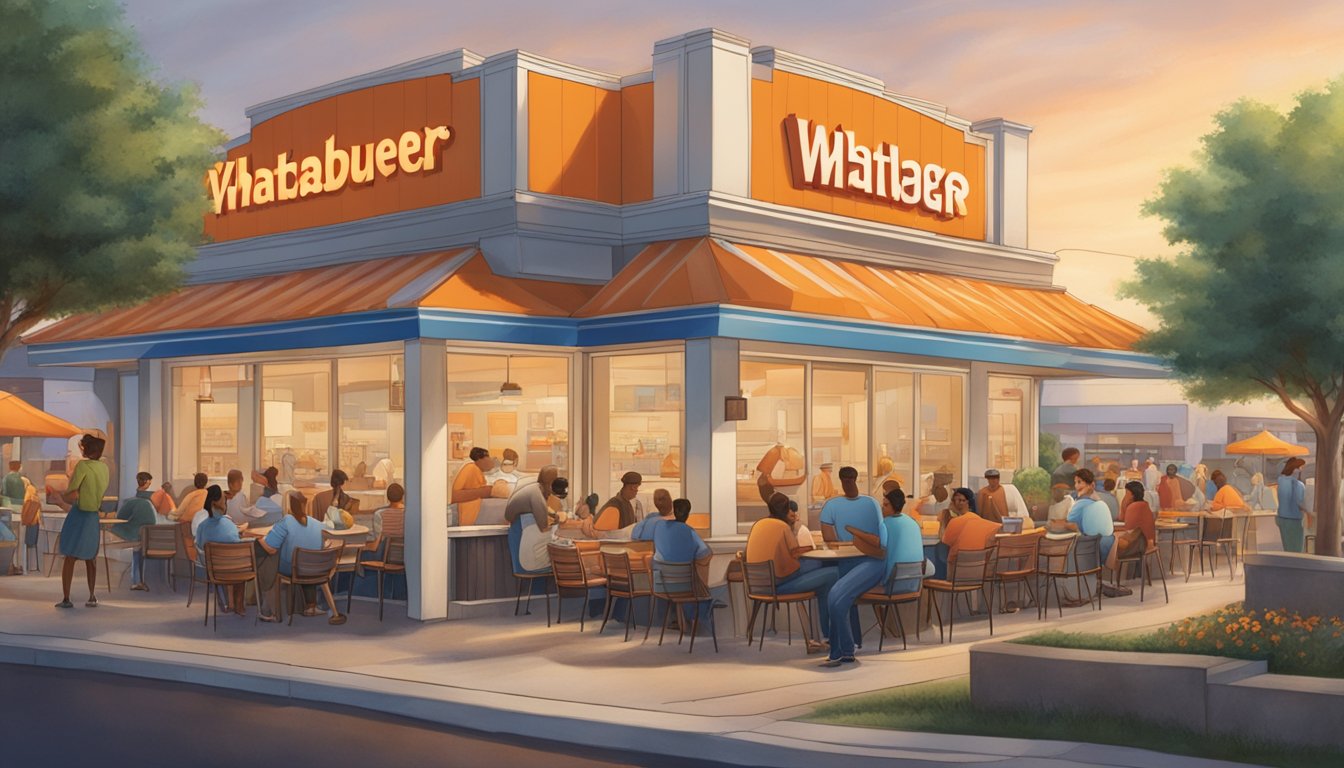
701, 271
456, 279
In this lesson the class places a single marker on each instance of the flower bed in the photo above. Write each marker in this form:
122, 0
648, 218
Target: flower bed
1291, 644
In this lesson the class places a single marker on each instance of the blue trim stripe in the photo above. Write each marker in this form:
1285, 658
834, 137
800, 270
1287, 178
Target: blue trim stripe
663, 325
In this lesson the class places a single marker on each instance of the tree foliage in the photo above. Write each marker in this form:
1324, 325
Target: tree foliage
101, 198
1254, 303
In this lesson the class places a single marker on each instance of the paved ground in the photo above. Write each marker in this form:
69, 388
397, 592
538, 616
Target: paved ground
516, 675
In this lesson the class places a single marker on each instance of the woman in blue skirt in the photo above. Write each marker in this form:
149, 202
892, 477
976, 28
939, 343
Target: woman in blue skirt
80, 535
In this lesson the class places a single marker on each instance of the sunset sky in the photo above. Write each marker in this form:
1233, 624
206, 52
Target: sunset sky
1116, 92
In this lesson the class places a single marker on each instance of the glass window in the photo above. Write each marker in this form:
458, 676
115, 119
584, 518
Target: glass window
638, 412
941, 433
1009, 407
839, 423
774, 392
211, 418
296, 420
371, 424
894, 429
516, 407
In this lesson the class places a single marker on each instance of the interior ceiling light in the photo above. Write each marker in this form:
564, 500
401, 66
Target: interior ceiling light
509, 388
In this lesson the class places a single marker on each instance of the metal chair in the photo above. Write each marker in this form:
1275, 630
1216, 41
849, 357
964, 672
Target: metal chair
967, 574
573, 573
763, 590
348, 563
311, 568
524, 577
186, 551
159, 542
228, 565
1214, 533
1140, 562
678, 584
1052, 564
393, 562
884, 599
625, 581
1086, 563
1015, 563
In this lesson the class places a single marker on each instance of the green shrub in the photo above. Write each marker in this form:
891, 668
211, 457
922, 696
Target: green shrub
1034, 483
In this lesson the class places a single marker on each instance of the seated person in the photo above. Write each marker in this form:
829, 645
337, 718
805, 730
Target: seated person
622, 510
997, 501
1107, 497
662, 502
267, 508
1061, 503
771, 540
851, 509
805, 541
676, 542
138, 512
1227, 499
1140, 533
391, 517
218, 528
528, 506
193, 501
966, 530
383, 472
294, 531
335, 500
1089, 516
164, 505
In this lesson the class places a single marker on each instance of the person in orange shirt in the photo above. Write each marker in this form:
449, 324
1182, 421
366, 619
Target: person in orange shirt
1169, 496
163, 501
967, 530
469, 487
194, 500
823, 487
771, 539
1228, 498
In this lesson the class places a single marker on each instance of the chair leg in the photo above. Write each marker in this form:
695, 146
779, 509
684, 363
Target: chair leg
933, 598
788, 623
695, 627
207, 608
804, 615
380, 595
350, 593
751, 622
649, 628
583, 612
667, 615
763, 618
989, 607
606, 611
713, 631
548, 602
518, 602
881, 625
629, 616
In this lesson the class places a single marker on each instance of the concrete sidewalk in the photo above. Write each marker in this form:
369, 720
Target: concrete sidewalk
516, 676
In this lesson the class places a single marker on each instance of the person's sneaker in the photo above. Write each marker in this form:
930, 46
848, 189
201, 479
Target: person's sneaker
139, 588
817, 646
848, 660
65, 604
831, 663
92, 602
337, 619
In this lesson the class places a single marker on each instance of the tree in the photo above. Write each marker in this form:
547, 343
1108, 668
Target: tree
1254, 303
1048, 450
101, 191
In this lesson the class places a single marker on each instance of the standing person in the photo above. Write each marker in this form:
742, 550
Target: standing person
771, 539
469, 487
218, 528
80, 535
823, 487
1292, 501
1151, 476
13, 483
295, 531
1260, 496
1064, 472
137, 511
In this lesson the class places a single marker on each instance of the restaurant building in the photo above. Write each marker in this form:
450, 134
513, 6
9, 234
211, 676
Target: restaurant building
668, 272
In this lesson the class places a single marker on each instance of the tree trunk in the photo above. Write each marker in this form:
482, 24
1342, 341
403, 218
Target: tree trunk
1326, 503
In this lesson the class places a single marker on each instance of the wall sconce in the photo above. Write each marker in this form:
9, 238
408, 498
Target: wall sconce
205, 392
396, 396
734, 408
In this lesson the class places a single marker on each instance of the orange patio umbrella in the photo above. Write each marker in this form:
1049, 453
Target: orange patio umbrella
1265, 444
19, 419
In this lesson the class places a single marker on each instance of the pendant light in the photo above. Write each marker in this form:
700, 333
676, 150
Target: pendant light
205, 388
509, 388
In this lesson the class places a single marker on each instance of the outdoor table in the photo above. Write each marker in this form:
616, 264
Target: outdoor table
352, 531
830, 555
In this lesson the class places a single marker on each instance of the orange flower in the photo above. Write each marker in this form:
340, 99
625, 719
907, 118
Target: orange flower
1199, 635
1218, 644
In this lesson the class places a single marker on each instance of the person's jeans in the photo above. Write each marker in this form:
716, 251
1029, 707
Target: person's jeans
864, 574
1290, 533
812, 576
137, 567
939, 559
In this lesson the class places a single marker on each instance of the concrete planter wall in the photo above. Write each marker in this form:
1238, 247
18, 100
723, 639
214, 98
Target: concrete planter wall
1205, 694
1308, 584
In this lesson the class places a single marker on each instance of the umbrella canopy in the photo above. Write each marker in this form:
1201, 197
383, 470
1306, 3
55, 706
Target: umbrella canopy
1265, 444
19, 419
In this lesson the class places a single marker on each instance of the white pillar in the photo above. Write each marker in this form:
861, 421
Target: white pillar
128, 453
711, 443
151, 451
977, 431
1007, 179
426, 479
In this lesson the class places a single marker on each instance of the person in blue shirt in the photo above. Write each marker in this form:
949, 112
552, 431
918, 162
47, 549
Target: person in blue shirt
295, 531
676, 542
137, 511
838, 516
863, 574
644, 529
218, 528
1292, 500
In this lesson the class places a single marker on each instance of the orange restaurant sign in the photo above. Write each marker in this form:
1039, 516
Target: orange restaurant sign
833, 160
234, 186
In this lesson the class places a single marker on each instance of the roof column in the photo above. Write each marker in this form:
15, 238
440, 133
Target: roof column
710, 463
701, 114
1006, 178
426, 479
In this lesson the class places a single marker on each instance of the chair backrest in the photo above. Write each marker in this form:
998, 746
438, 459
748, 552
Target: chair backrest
515, 540
315, 565
1055, 552
159, 539
566, 566
971, 566
228, 559
672, 580
1215, 528
734, 572
1087, 552
617, 566
905, 571
185, 541
396, 551
394, 523
760, 578
1017, 553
